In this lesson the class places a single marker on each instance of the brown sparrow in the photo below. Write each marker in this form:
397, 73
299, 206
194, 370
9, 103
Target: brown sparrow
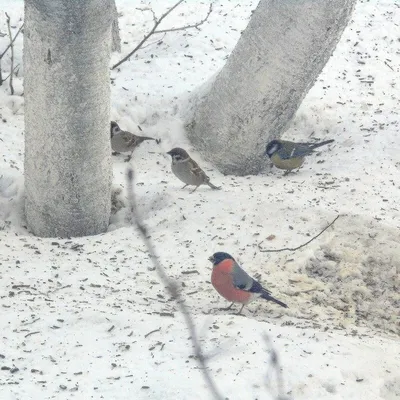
124, 141
187, 170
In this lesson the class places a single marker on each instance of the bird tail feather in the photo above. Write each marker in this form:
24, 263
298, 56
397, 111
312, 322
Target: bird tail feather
213, 186
267, 296
314, 146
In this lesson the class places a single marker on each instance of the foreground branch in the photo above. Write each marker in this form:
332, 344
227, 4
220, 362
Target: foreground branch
12, 54
302, 245
274, 362
154, 30
170, 286
11, 43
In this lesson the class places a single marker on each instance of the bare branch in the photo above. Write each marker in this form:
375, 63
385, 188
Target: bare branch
158, 22
9, 45
170, 286
302, 245
188, 26
12, 54
156, 41
15, 73
154, 30
149, 9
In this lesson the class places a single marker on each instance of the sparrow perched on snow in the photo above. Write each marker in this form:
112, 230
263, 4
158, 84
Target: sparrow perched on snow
234, 284
124, 141
187, 170
290, 155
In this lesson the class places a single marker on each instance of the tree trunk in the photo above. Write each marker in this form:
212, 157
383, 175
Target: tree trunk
116, 38
256, 94
67, 116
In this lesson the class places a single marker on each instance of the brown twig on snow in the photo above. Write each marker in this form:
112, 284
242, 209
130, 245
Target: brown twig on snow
157, 22
170, 285
302, 245
32, 333
12, 54
154, 331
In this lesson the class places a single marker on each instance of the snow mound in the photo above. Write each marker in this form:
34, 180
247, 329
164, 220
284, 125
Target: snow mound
360, 270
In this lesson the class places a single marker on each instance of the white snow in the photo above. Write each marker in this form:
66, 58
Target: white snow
74, 313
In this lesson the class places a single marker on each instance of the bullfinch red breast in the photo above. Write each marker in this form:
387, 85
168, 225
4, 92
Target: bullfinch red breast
234, 284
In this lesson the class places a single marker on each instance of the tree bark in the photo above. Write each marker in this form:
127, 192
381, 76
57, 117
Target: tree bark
116, 38
256, 94
67, 116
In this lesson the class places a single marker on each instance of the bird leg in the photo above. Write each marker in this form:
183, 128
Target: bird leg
194, 189
127, 159
227, 308
240, 312
184, 186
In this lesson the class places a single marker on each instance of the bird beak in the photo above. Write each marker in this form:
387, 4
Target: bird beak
168, 152
211, 259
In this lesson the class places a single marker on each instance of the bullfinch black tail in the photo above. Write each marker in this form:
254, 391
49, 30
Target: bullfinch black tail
314, 146
265, 295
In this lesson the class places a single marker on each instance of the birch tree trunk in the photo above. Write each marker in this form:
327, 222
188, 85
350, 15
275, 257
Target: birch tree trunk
67, 116
256, 94
115, 36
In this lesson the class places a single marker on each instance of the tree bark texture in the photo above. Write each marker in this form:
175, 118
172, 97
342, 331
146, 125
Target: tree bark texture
256, 94
116, 38
67, 116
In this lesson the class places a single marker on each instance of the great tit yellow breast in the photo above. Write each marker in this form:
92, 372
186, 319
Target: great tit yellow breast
288, 164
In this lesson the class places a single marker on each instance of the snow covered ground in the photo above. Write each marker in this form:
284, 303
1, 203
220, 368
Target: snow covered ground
76, 314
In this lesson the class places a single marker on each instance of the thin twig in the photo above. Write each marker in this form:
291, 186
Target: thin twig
148, 9
15, 73
154, 30
156, 41
388, 65
157, 22
302, 245
12, 54
9, 45
154, 331
182, 28
170, 286
32, 333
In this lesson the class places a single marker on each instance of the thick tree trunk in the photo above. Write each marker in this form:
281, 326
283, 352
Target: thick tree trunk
116, 38
67, 116
254, 97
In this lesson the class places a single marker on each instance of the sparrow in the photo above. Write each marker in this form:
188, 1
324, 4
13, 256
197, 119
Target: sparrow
124, 141
234, 284
187, 170
290, 155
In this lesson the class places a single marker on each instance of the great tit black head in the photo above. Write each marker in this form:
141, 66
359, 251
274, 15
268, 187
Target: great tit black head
272, 147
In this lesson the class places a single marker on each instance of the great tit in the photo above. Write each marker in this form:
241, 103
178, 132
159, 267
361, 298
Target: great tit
290, 155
